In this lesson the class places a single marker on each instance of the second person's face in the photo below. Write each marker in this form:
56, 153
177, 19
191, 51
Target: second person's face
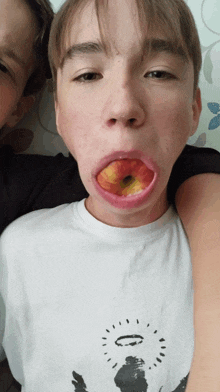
18, 29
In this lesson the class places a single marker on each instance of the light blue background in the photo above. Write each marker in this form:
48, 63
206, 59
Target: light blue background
56, 4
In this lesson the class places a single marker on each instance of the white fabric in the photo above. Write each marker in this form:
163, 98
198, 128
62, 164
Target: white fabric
110, 309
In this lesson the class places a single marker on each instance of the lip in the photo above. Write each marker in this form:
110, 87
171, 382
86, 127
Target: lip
128, 202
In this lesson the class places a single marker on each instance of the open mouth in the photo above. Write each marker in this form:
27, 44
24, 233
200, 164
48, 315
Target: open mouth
125, 177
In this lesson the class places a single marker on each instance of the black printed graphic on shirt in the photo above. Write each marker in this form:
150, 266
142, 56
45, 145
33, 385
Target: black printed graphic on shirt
79, 383
131, 375
127, 380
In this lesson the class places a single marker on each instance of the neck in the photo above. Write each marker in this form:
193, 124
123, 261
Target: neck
135, 218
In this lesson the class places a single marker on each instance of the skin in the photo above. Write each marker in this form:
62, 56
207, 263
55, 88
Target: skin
198, 205
99, 93
18, 29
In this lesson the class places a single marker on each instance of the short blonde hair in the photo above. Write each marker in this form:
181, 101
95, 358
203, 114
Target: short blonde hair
173, 17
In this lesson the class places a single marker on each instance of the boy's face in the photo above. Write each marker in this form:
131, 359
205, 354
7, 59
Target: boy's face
18, 30
124, 101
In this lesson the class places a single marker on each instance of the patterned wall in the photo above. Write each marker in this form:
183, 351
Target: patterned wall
207, 16
37, 132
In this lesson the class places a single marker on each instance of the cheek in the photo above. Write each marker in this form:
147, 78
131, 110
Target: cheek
174, 117
8, 101
74, 126
174, 124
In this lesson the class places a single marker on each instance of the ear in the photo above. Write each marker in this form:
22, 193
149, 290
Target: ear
196, 109
23, 106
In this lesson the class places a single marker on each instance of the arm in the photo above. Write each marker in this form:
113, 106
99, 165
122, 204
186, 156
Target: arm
198, 204
33, 182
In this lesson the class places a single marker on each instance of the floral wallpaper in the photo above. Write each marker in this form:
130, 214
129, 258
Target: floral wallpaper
37, 132
207, 16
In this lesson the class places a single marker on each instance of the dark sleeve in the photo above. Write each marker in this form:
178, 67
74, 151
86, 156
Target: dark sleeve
192, 161
32, 182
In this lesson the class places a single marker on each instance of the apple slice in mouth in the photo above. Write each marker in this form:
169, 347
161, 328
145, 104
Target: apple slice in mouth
125, 177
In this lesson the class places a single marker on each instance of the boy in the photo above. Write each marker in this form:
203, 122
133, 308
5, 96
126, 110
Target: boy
153, 110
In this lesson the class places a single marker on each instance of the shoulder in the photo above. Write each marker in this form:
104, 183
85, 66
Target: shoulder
15, 165
191, 162
34, 225
200, 155
33, 182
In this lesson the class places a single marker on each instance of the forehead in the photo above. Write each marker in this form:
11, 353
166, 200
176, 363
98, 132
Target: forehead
111, 21
18, 28
119, 25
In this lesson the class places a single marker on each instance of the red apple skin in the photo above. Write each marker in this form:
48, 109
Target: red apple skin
111, 176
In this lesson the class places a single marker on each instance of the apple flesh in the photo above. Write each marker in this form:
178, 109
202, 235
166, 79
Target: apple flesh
125, 177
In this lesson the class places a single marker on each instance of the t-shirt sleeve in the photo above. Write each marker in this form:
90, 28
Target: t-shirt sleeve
31, 182
192, 161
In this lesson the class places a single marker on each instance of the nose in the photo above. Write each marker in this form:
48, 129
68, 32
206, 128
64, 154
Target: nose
124, 106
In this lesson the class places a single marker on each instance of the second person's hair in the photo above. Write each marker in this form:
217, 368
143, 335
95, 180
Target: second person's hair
43, 11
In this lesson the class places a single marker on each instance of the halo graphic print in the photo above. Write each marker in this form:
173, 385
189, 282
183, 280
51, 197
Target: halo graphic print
133, 350
126, 338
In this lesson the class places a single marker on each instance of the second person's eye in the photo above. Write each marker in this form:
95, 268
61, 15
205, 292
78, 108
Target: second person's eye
3, 68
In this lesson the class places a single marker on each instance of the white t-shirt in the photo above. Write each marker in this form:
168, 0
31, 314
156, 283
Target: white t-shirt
86, 307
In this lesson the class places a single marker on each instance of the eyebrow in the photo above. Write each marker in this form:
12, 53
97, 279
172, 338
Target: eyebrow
83, 48
156, 45
153, 45
14, 56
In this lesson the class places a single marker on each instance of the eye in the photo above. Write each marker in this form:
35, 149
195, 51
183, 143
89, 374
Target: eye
88, 77
3, 68
160, 75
